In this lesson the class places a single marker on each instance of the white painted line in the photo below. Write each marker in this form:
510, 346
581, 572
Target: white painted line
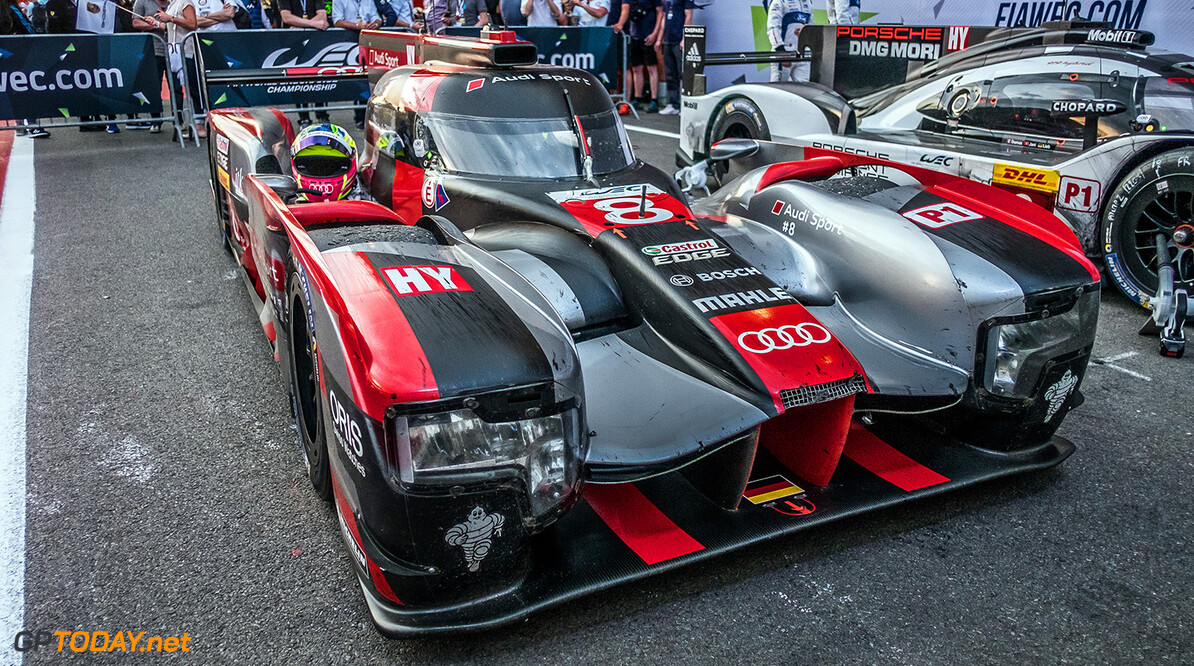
16, 284
648, 130
1109, 362
1133, 373
1117, 357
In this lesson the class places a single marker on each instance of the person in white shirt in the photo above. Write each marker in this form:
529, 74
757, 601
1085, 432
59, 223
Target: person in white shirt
587, 13
354, 14
215, 15
542, 13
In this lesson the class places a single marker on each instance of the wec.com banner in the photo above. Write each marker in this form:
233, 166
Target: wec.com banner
594, 49
48, 76
740, 25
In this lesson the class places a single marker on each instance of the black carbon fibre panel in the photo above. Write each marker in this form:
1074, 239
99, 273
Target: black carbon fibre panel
666, 522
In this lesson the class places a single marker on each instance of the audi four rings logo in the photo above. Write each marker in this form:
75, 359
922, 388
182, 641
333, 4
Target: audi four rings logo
784, 337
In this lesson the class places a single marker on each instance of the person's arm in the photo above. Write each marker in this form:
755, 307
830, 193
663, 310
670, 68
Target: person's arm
622, 18
221, 15
320, 22
527, 7
146, 23
654, 36
187, 21
595, 12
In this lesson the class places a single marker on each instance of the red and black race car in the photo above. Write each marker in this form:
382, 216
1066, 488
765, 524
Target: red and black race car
532, 368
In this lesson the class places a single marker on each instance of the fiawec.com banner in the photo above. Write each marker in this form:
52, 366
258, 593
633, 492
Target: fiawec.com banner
276, 67
47, 76
741, 25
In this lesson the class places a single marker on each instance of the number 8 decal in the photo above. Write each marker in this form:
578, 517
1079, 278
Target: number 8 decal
624, 210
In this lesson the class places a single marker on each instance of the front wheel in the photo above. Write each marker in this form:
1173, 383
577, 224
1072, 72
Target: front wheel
1154, 198
737, 118
304, 388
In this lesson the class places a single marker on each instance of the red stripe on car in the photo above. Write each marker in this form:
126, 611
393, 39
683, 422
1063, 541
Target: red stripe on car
882, 460
639, 523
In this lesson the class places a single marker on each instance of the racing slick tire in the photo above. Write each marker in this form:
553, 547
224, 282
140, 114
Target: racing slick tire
304, 389
1155, 197
736, 118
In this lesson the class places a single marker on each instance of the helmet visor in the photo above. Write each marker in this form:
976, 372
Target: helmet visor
322, 166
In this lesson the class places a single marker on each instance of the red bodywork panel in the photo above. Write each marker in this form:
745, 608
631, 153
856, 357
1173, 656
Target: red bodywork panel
787, 348
992, 202
391, 367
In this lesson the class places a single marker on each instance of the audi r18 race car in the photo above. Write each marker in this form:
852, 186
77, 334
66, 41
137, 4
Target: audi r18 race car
1083, 121
534, 370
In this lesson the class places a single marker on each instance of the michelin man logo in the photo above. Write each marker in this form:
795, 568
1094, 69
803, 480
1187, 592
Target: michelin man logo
1057, 393
475, 535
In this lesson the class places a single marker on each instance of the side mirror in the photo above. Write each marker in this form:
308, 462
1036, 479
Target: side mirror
728, 149
285, 187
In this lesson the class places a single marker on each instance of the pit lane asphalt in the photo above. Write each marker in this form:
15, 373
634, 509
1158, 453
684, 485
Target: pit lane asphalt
166, 492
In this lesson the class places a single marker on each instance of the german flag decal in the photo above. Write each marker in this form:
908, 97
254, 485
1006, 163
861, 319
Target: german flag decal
770, 489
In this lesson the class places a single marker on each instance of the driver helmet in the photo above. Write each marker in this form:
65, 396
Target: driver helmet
324, 158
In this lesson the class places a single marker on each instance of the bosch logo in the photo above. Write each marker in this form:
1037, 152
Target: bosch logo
784, 337
681, 280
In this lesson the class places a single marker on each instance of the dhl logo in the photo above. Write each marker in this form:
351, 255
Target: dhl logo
1044, 180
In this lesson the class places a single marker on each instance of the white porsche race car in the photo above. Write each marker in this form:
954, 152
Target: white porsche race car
1084, 122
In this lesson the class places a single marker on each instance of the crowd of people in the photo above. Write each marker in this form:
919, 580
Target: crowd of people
655, 29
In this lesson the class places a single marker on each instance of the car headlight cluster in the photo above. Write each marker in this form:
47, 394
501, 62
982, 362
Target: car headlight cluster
469, 444
1019, 349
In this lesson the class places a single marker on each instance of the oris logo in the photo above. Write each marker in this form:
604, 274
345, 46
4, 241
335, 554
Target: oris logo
785, 337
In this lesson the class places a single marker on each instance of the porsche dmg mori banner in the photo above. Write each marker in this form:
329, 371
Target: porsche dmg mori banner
595, 50
51, 76
741, 25
279, 67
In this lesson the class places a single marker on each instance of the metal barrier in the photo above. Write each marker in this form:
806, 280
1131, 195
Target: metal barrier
281, 68
45, 76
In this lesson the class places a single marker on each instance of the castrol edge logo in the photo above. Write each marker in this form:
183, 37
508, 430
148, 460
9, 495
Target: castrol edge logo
676, 248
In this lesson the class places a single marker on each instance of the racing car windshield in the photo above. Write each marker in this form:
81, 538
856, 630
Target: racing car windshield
528, 147
1170, 104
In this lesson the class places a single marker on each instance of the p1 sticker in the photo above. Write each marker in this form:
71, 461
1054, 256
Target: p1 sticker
1078, 194
942, 215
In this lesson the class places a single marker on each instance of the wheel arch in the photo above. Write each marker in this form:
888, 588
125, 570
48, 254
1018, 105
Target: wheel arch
1151, 150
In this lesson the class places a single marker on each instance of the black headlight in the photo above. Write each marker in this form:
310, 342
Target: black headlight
529, 434
1018, 348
